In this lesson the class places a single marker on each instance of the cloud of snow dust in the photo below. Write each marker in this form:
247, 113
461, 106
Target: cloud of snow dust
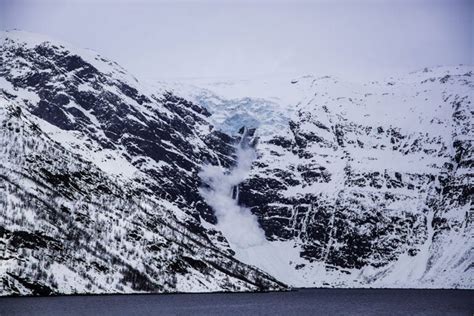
237, 223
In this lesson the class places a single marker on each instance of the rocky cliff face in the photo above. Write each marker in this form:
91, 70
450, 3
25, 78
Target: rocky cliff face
98, 181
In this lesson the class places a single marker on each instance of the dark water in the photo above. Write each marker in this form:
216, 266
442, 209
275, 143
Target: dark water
300, 302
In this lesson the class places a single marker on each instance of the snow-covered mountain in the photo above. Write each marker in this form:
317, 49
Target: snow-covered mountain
357, 184
99, 186
108, 184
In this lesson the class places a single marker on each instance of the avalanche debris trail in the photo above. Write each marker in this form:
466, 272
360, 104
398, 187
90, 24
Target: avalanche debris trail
237, 223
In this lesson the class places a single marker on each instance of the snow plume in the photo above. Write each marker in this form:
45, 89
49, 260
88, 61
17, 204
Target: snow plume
237, 223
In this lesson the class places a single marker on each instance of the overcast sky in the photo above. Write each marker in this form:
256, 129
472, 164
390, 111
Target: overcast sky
178, 39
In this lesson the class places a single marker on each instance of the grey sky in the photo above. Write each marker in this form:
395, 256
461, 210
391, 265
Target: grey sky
175, 39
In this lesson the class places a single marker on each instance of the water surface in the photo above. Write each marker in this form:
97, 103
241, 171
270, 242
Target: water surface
299, 302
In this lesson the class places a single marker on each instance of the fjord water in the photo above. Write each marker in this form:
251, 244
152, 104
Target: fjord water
298, 302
